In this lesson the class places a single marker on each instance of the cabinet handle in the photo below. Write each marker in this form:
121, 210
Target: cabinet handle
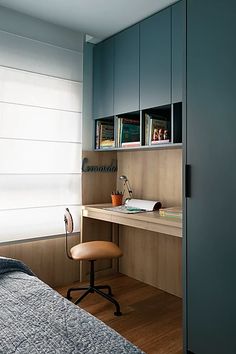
187, 181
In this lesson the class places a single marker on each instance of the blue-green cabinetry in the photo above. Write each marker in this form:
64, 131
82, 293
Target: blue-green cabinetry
178, 39
155, 60
103, 82
126, 70
210, 151
140, 67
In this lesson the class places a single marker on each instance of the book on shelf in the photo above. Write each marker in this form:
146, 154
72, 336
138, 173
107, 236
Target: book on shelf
97, 137
107, 144
174, 212
147, 129
128, 131
105, 134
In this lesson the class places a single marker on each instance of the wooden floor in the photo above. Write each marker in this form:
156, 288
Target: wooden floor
151, 318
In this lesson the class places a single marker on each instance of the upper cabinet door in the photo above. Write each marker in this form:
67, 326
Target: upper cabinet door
103, 59
155, 60
178, 39
126, 71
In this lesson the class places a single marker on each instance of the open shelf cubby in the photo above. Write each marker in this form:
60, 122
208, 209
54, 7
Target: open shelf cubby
128, 130
104, 133
162, 125
152, 128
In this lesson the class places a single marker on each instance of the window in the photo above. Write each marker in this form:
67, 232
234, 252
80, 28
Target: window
40, 153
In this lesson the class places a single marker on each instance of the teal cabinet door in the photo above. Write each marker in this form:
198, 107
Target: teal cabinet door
178, 39
103, 60
210, 151
126, 71
155, 60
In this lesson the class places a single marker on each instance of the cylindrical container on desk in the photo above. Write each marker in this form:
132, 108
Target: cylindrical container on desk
116, 199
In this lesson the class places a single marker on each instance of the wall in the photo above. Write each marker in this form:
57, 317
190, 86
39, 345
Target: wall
155, 174
40, 116
88, 122
33, 45
153, 258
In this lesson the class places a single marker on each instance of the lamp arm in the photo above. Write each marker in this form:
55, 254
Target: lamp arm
128, 188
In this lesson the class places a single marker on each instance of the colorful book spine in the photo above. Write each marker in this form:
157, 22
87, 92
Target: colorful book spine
104, 134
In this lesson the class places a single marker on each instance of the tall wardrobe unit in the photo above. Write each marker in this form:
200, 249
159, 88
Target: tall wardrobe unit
210, 147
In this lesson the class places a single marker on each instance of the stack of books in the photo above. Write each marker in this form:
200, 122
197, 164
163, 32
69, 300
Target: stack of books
129, 132
105, 134
173, 212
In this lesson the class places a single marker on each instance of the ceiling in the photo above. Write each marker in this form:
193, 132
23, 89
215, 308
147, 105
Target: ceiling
98, 18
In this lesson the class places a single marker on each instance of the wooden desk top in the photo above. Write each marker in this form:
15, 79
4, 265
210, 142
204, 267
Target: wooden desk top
150, 221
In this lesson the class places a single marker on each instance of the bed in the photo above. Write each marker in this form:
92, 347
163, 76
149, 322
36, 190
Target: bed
36, 319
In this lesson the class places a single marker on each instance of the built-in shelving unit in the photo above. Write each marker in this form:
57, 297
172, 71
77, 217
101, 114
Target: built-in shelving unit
153, 128
137, 92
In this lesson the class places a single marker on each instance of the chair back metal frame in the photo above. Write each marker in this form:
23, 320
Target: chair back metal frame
69, 227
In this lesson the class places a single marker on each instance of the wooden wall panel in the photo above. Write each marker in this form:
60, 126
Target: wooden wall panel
97, 186
93, 230
152, 258
46, 258
155, 174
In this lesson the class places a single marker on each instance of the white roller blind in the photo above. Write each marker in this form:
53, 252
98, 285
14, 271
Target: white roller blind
26, 191
30, 89
28, 156
25, 223
40, 123
40, 154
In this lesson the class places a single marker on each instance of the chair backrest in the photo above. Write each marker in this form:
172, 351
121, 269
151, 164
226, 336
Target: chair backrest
69, 227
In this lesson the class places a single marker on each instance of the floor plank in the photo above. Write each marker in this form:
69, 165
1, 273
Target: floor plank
151, 318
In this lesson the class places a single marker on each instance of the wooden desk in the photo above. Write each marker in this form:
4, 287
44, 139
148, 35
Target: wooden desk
151, 244
150, 221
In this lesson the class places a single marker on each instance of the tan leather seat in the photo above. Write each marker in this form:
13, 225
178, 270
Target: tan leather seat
94, 250
91, 251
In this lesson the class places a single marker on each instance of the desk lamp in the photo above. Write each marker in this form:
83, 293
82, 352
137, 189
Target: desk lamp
127, 185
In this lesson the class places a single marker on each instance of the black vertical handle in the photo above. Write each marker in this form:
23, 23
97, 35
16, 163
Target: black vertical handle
187, 181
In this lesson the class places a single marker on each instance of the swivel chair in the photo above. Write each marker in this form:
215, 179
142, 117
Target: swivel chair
91, 251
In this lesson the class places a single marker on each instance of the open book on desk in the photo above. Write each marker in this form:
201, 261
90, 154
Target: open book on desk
133, 206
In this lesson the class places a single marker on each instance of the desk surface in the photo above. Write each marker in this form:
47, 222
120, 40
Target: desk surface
150, 221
